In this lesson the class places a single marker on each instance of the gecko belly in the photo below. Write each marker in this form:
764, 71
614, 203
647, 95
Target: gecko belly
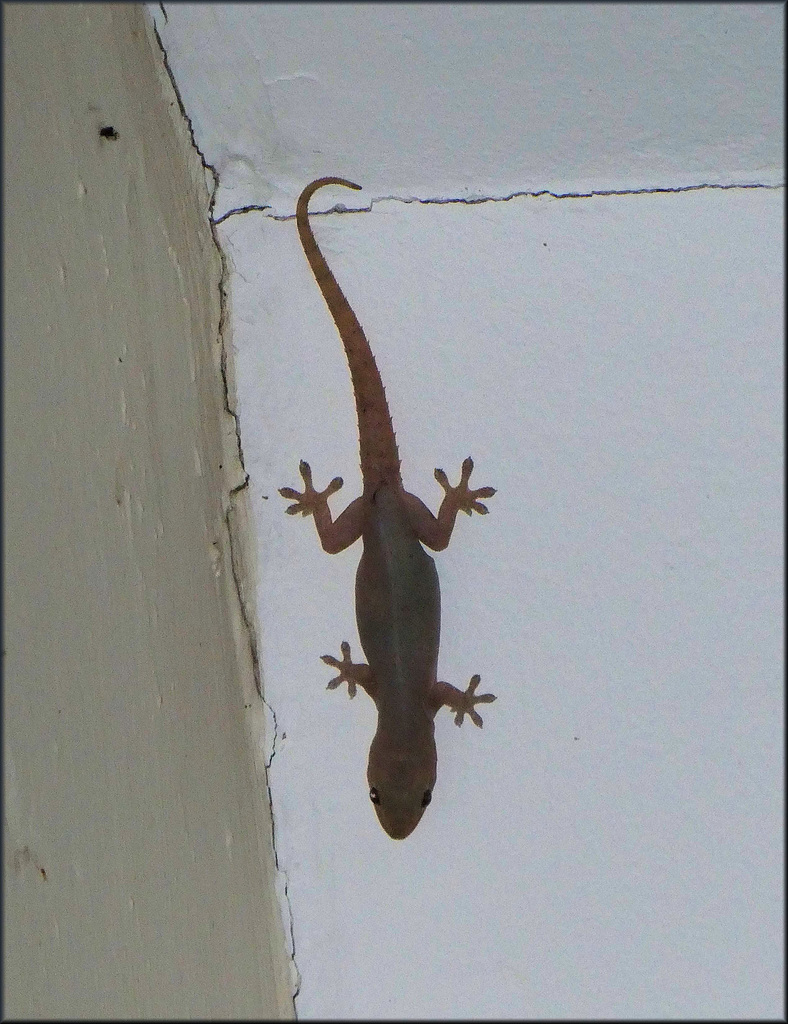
397, 606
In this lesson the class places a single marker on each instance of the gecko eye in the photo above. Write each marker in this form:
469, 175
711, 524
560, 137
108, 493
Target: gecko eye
373, 796
426, 798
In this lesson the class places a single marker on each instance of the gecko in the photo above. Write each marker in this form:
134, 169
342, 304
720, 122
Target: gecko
397, 590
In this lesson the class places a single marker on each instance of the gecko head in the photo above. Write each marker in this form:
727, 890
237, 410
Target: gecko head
401, 779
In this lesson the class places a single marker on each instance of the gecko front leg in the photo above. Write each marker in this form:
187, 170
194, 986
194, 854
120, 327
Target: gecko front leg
335, 535
350, 673
462, 703
436, 532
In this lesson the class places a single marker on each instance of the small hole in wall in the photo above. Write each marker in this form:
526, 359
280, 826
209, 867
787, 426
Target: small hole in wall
108, 132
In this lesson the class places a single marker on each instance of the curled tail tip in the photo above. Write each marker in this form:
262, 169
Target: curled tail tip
342, 181
313, 186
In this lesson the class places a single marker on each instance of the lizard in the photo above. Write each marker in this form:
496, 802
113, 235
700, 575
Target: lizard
397, 590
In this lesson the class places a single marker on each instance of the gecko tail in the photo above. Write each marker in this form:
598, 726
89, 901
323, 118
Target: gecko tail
378, 446
313, 186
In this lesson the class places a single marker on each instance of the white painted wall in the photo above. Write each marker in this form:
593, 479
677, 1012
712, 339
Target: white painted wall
610, 843
480, 100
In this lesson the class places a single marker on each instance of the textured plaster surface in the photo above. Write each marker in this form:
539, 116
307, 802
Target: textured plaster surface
568, 258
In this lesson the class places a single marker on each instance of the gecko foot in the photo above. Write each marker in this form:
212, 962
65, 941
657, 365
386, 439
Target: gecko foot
466, 701
308, 500
348, 672
462, 497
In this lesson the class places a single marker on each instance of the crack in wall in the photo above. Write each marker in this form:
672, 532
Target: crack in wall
256, 207
477, 200
235, 561
280, 870
225, 275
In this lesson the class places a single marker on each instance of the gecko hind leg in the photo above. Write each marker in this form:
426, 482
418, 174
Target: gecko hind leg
461, 498
309, 501
335, 534
434, 531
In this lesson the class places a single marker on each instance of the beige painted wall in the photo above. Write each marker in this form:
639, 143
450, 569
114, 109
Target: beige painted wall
138, 866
